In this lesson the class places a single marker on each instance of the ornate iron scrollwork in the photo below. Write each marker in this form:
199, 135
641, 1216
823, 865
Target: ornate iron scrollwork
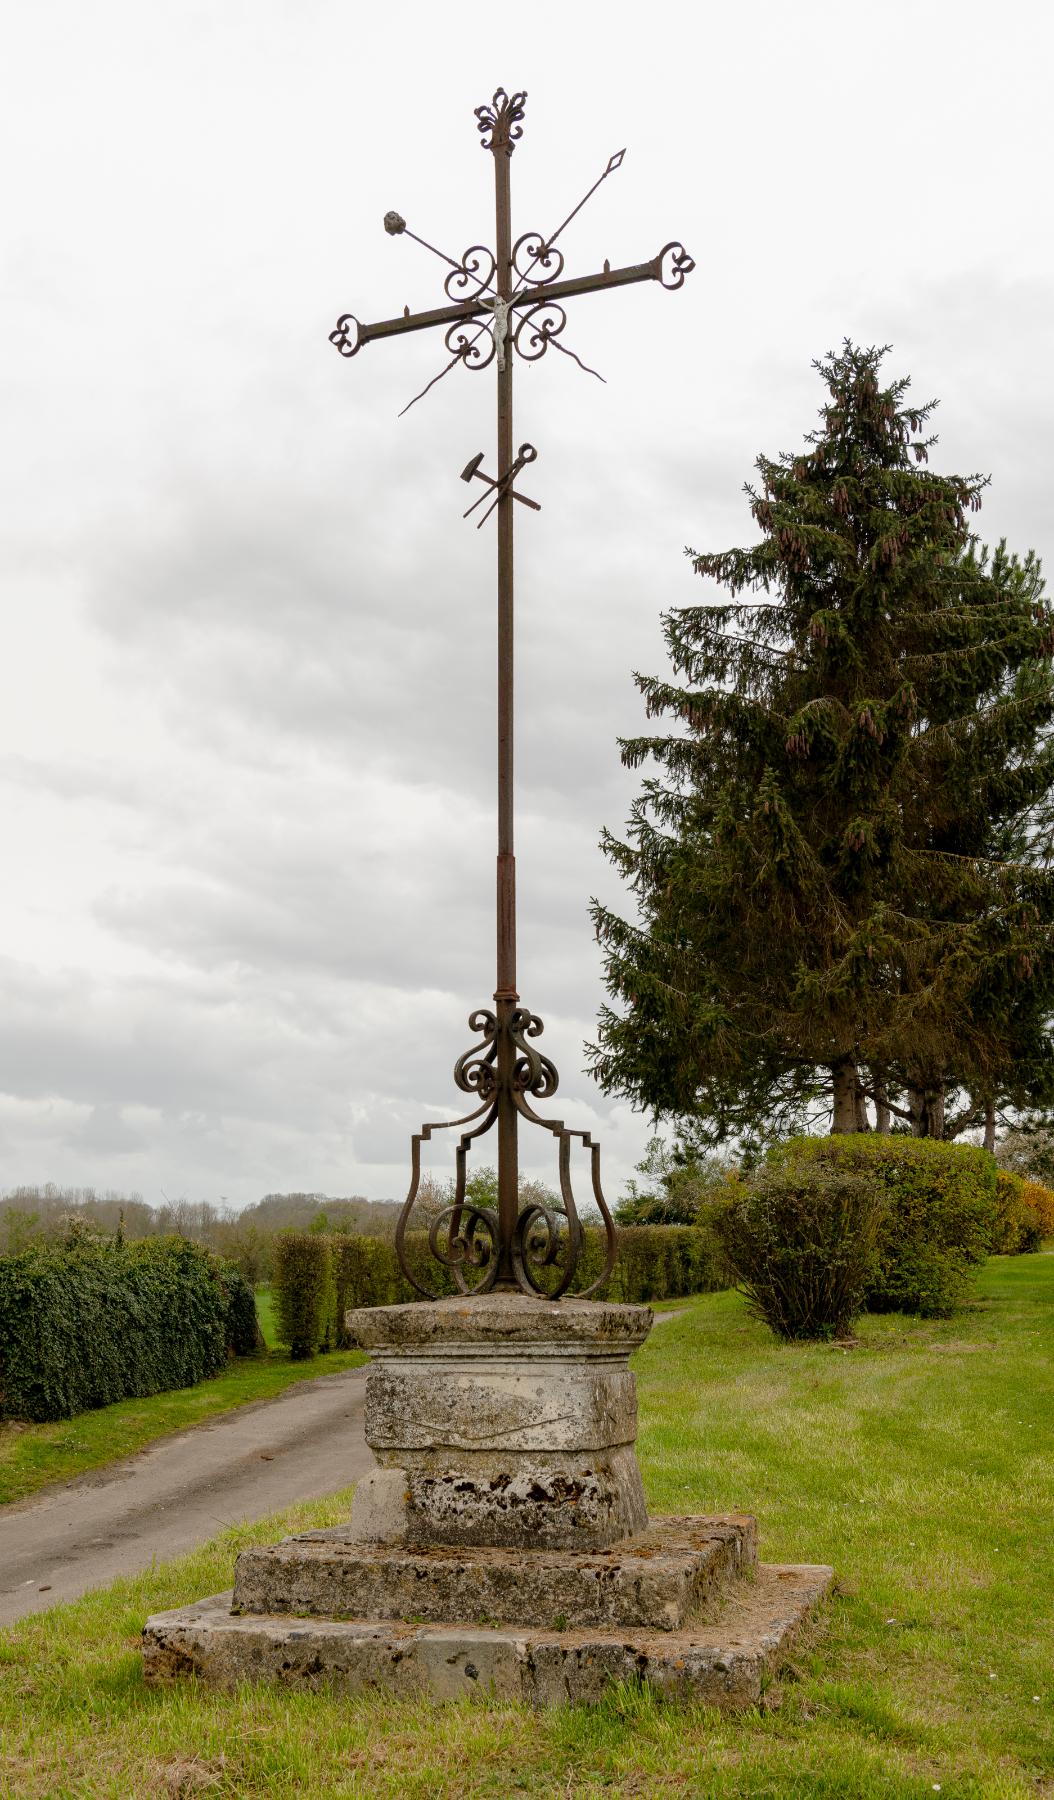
472, 346
540, 325
465, 1238
536, 327
473, 275
341, 337
536, 254
523, 308
474, 1069
679, 265
499, 123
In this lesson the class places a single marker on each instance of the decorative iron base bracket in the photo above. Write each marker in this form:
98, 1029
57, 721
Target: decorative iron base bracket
468, 1239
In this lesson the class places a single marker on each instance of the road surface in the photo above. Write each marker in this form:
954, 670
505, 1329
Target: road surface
181, 1491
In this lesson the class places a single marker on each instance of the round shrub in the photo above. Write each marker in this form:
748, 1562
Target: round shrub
939, 1219
800, 1242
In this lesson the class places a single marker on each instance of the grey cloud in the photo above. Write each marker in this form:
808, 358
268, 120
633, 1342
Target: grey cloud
107, 1131
250, 795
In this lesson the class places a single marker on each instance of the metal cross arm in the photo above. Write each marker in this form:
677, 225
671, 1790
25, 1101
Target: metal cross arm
669, 268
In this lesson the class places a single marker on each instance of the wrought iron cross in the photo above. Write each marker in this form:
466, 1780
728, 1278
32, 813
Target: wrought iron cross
506, 303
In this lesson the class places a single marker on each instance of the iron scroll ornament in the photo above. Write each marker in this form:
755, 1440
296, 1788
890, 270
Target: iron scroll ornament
673, 273
474, 274
465, 1238
535, 253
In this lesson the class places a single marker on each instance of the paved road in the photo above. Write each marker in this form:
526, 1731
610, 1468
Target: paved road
182, 1491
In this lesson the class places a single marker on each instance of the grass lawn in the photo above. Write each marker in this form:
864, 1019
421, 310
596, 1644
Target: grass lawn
920, 1463
265, 1314
31, 1456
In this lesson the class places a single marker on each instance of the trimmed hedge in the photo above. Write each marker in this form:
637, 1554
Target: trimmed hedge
244, 1337
301, 1289
940, 1215
655, 1262
84, 1326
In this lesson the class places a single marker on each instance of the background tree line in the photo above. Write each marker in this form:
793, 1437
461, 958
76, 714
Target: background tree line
49, 1214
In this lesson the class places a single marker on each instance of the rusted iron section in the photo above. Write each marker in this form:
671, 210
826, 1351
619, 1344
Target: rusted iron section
504, 303
669, 268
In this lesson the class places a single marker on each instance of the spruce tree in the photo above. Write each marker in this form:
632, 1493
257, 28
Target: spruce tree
836, 886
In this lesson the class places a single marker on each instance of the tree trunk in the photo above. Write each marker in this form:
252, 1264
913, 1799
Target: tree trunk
863, 1123
926, 1106
845, 1088
989, 1126
916, 1107
883, 1117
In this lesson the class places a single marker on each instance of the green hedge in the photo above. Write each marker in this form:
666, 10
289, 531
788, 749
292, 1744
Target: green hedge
940, 1214
655, 1262
302, 1291
1018, 1226
87, 1325
244, 1337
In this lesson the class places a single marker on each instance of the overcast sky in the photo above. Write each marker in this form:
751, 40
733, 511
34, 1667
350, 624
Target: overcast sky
247, 683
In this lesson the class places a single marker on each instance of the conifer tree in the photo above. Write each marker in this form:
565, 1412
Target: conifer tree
836, 885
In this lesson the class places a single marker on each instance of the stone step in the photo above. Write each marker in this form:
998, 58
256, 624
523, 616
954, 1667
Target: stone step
673, 1573
724, 1662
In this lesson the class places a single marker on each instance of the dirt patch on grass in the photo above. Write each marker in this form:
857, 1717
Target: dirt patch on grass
186, 1775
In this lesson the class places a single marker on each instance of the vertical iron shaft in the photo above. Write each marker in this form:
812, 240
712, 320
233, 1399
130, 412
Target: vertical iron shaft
504, 1073
505, 994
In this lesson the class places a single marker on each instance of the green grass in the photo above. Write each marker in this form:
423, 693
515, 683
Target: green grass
32, 1456
920, 1463
265, 1314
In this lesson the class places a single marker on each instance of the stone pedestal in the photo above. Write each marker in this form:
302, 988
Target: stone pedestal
503, 1542
502, 1421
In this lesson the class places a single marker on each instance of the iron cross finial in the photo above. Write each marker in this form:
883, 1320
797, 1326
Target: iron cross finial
499, 124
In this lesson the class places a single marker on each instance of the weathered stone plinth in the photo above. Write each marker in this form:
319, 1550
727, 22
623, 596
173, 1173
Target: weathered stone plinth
724, 1663
677, 1571
501, 1421
502, 1545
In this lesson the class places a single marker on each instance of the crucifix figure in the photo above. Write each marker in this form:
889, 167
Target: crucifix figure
504, 303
